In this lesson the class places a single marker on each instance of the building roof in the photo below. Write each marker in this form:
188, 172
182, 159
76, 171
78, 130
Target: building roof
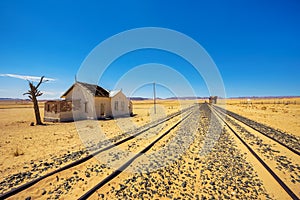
113, 93
96, 90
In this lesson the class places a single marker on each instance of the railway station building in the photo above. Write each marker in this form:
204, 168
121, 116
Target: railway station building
87, 101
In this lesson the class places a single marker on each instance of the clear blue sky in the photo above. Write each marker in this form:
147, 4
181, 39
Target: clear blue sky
254, 43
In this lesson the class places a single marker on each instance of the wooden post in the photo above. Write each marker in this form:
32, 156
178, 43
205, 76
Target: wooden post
154, 97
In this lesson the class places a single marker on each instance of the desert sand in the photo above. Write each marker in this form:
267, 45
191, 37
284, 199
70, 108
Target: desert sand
279, 113
225, 172
21, 143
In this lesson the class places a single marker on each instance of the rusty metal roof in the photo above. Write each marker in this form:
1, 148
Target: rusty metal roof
96, 90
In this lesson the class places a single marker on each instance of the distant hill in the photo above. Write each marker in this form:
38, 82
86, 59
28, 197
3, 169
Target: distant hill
194, 98
138, 98
23, 100
263, 97
187, 98
13, 99
169, 98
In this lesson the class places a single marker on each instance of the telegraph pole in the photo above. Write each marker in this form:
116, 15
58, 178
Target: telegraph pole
154, 97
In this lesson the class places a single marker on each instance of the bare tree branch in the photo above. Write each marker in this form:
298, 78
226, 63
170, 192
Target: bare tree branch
41, 81
33, 93
39, 94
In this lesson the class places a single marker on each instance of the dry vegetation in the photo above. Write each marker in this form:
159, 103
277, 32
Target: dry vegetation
279, 113
22, 145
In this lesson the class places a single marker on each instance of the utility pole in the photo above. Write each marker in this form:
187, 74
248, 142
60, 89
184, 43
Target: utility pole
154, 97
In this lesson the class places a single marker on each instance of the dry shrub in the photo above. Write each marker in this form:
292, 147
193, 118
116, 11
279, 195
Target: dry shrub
18, 152
264, 108
273, 109
21, 122
89, 126
70, 136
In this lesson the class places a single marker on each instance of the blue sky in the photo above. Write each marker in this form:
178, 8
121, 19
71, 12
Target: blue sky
255, 44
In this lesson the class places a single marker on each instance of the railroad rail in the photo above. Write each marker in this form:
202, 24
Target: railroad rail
218, 112
290, 142
27, 185
127, 163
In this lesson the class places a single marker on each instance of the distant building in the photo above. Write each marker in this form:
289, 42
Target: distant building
213, 99
87, 101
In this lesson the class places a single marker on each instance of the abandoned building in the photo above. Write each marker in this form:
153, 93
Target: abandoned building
87, 101
212, 99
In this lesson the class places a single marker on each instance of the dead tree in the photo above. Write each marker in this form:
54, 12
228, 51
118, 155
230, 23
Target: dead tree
33, 93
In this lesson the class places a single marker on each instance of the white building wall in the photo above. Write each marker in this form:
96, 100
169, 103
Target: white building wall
119, 105
103, 107
86, 103
87, 106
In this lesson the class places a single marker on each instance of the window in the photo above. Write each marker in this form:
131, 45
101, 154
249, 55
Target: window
65, 106
122, 105
55, 108
76, 104
116, 105
85, 107
102, 109
48, 107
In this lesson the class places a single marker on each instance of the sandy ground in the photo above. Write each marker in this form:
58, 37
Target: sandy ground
282, 114
222, 173
23, 145
282, 161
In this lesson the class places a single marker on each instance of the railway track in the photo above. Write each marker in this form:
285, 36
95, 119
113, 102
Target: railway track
289, 141
134, 139
128, 162
275, 156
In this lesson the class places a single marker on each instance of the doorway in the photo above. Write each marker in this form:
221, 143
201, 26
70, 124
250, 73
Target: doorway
102, 109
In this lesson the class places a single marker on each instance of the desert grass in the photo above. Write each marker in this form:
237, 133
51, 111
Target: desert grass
279, 113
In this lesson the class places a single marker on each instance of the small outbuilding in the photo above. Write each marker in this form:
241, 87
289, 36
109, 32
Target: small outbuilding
212, 99
87, 101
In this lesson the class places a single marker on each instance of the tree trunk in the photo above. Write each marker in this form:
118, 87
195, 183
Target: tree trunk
36, 111
33, 93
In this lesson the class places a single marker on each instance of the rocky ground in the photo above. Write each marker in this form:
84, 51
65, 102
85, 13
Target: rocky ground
35, 169
218, 172
64, 182
290, 140
197, 160
282, 161
189, 163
